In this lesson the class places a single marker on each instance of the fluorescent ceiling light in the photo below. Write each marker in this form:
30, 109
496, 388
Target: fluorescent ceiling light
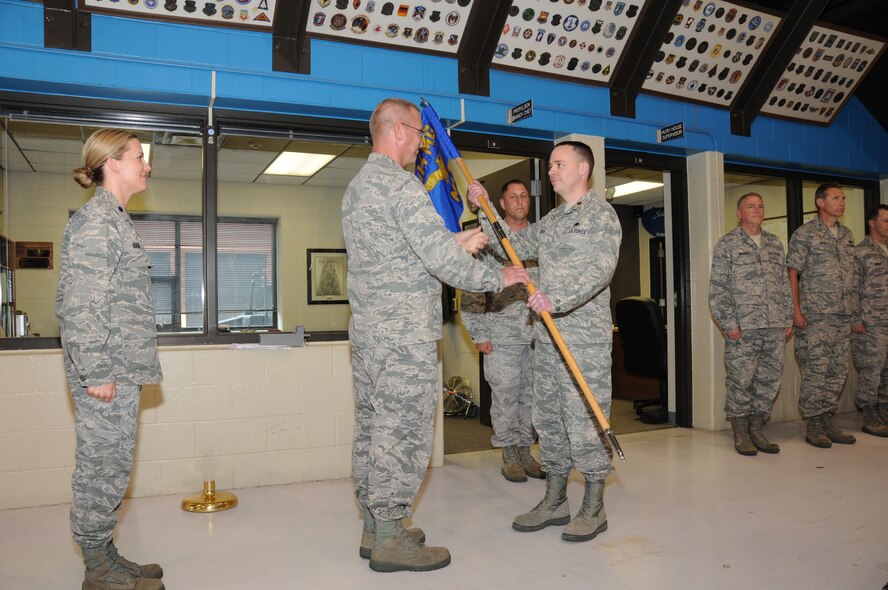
298, 164
636, 186
146, 152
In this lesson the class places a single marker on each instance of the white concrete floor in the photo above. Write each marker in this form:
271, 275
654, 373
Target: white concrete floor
685, 512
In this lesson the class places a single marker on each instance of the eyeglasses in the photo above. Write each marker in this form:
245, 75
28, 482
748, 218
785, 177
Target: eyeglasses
421, 132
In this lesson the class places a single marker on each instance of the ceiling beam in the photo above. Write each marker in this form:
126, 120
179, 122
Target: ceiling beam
638, 55
479, 42
290, 45
65, 27
842, 12
794, 27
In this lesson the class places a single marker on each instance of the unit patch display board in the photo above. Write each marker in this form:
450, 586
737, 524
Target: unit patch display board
433, 25
574, 39
251, 14
709, 51
823, 75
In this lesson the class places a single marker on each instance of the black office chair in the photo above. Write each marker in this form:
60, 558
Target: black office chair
643, 335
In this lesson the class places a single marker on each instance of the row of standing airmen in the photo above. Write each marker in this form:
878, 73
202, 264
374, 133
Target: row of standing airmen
831, 294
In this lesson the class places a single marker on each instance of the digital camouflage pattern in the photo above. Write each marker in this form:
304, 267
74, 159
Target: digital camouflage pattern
509, 371
826, 268
569, 434
399, 252
749, 289
104, 302
105, 309
577, 248
505, 320
827, 295
397, 245
870, 350
748, 285
753, 366
396, 389
103, 460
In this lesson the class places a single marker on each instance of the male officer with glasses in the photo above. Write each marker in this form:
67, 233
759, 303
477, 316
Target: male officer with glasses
500, 325
398, 252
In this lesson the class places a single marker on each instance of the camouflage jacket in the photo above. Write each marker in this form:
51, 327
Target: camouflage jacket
748, 285
397, 245
872, 282
826, 268
104, 302
577, 250
499, 317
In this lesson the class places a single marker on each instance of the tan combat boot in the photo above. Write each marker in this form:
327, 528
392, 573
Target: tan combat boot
149, 570
591, 520
553, 509
103, 573
395, 551
512, 469
368, 535
757, 437
529, 464
742, 443
834, 433
815, 435
872, 423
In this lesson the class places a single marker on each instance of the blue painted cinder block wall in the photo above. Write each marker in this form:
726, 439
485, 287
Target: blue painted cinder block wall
161, 63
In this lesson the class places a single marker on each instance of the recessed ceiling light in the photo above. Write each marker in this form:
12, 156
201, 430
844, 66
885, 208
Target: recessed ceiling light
636, 186
298, 164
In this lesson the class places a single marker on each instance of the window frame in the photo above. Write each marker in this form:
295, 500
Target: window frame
124, 114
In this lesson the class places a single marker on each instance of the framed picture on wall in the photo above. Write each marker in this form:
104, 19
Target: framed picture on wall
327, 276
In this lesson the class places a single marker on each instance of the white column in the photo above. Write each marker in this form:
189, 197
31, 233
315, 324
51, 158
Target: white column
705, 226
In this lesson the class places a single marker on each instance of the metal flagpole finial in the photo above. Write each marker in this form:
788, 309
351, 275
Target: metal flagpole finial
423, 101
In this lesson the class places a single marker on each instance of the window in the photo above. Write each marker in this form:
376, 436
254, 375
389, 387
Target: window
246, 260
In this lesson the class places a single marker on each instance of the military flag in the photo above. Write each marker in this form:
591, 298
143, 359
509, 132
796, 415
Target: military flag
435, 155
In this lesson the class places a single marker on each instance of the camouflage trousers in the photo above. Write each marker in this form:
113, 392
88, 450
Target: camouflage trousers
754, 365
396, 390
822, 350
569, 434
870, 352
103, 460
509, 371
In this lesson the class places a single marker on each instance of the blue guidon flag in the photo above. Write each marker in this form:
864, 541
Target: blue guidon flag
435, 154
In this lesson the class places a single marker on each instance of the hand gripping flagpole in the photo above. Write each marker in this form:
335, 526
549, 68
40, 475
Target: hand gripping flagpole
547, 317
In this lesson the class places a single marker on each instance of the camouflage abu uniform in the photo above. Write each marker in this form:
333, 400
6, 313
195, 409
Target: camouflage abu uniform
870, 349
577, 248
749, 289
397, 244
505, 320
826, 288
105, 309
